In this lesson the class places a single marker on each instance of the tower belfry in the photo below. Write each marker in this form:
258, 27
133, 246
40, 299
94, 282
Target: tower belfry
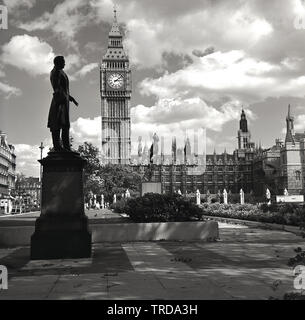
115, 88
244, 135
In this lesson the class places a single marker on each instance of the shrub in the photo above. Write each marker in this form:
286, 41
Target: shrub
233, 198
119, 206
290, 214
153, 207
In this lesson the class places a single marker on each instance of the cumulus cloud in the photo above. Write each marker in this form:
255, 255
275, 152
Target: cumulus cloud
231, 74
27, 158
177, 27
86, 69
8, 90
182, 34
86, 129
67, 18
28, 53
33, 55
200, 53
15, 4
299, 123
186, 114
155, 28
178, 117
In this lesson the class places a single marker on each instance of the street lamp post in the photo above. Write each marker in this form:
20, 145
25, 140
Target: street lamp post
40, 193
41, 148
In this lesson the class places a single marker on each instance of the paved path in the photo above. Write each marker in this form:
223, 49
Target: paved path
28, 219
245, 264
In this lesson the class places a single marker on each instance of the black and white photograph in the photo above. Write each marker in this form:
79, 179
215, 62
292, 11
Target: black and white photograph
152, 153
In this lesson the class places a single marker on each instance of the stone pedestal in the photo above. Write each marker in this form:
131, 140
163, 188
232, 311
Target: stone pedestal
61, 231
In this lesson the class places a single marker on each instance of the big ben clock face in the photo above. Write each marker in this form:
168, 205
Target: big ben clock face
115, 80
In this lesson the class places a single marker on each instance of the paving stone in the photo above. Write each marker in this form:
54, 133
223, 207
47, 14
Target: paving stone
247, 263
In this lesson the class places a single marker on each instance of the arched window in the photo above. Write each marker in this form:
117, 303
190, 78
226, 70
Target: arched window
298, 175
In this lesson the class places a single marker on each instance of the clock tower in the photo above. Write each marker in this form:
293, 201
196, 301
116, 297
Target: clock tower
115, 87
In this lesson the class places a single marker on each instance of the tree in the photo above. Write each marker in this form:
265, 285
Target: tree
117, 179
93, 185
109, 179
91, 154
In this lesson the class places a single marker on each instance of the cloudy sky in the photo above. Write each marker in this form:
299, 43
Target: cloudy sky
194, 65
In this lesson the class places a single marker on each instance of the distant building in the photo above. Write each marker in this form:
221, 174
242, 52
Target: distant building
7, 166
283, 165
220, 171
7, 174
28, 190
266, 170
292, 160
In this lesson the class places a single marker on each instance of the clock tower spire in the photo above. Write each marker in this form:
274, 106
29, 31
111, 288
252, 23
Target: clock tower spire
115, 88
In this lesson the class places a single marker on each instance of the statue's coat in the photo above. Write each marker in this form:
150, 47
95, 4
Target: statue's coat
59, 109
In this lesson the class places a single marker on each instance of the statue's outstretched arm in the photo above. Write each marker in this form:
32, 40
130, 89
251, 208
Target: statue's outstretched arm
73, 100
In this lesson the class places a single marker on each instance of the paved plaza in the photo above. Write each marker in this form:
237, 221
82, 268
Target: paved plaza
246, 263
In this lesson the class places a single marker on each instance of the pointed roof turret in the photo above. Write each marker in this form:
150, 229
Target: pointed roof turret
289, 127
243, 123
115, 29
115, 50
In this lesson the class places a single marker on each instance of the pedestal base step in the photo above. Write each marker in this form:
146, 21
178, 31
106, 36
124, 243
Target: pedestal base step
60, 245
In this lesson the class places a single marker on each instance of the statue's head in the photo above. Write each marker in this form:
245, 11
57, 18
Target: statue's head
59, 62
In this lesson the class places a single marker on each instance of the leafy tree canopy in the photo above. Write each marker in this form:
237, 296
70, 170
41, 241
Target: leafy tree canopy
91, 154
107, 179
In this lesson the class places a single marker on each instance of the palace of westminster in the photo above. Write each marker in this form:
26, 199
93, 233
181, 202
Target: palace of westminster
249, 167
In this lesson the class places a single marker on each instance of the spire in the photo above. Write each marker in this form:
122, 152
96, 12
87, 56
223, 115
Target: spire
174, 150
115, 49
289, 127
114, 14
115, 29
243, 123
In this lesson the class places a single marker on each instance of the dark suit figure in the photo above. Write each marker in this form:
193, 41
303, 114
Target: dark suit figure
59, 110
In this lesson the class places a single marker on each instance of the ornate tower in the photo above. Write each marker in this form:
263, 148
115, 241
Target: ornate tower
244, 135
289, 127
115, 87
292, 166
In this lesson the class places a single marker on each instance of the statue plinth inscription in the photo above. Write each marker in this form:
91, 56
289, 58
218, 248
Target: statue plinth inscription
61, 231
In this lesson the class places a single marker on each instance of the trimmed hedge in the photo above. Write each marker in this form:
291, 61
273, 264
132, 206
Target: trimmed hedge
288, 214
119, 206
153, 207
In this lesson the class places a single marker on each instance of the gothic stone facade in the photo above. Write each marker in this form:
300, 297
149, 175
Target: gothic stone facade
250, 168
115, 89
283, 165
221, 171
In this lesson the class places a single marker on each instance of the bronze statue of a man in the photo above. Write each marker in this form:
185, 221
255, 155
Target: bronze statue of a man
58, 119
